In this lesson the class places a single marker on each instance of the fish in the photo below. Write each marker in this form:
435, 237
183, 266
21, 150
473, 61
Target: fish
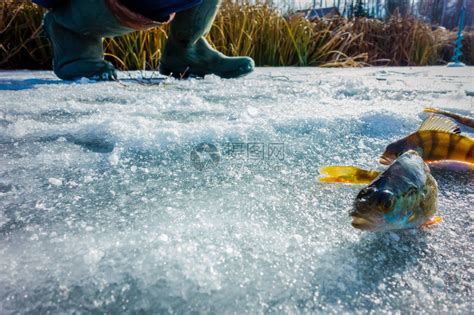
464, 120
404, 196
437, 139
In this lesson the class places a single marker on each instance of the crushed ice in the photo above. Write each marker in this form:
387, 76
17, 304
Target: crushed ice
102, 208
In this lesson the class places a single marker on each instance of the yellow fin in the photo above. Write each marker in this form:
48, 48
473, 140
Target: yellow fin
438, 123
434, 220
329, 179
431, 110
347, 174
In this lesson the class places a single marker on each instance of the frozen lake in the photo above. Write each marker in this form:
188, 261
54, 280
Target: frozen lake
109, 204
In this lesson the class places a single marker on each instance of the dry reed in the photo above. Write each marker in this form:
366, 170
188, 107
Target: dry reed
257, 30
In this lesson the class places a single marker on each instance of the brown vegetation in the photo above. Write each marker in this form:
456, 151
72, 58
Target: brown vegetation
255, 30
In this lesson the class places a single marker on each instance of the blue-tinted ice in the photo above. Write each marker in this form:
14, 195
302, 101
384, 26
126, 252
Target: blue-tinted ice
104, 205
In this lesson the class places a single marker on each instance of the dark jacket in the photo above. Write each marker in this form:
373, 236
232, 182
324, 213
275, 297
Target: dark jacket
159, 10
155, 9
49, 4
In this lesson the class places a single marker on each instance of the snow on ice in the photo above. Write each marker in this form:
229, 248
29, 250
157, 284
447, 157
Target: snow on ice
108, 202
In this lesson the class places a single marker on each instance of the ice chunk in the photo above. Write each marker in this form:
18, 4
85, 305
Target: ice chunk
55, 181
85, 81
252, 111
163, 237
88, 179
114, 157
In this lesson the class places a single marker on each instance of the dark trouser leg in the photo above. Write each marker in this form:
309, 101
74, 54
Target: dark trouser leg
75, 30
187, 52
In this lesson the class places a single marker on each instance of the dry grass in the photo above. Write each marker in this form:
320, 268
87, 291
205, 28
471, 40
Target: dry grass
136, 51
21, 42
255, 30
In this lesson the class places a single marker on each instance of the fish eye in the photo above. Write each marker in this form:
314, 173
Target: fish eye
386, 200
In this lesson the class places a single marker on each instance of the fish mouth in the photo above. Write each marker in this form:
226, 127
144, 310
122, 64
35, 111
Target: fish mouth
363, 223
385, 161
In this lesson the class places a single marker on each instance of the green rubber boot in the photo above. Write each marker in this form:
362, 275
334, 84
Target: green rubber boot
75, 30
187, 53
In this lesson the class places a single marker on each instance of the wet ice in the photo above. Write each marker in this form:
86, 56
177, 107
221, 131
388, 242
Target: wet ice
102, 209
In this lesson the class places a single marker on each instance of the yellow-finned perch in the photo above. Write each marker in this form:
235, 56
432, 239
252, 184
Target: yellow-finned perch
346, 174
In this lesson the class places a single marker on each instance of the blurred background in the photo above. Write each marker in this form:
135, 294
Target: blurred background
327, 33
437, 12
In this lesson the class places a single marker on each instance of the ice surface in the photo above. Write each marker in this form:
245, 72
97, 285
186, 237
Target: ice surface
102, 209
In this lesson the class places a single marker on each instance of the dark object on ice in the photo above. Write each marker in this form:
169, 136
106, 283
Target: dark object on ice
94, 145
18, 84
469, 93
4, 123
4, 188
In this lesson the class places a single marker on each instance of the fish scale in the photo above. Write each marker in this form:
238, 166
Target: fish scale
438, 145
437, 139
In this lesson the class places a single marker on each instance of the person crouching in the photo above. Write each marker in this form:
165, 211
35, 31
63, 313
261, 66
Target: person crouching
76, 29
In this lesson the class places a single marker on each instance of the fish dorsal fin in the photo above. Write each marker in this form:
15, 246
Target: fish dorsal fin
438, 123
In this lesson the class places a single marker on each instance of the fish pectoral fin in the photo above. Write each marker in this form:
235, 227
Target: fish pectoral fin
434, 220
438, 123
412, 217
330, 179
338, 170
347, 174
